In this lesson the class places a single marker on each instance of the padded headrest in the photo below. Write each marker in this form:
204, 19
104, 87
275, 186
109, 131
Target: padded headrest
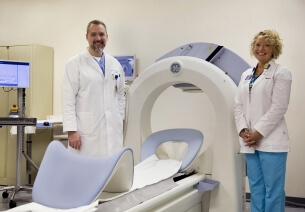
194, 139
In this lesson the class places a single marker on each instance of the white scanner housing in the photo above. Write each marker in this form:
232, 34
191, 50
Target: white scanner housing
216, 71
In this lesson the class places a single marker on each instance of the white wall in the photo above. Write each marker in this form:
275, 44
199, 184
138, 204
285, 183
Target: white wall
151, 28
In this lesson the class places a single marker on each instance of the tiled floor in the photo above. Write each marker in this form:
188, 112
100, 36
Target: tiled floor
287, 209
21, 198
25, 197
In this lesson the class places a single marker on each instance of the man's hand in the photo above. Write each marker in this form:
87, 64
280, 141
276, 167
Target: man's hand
74, 140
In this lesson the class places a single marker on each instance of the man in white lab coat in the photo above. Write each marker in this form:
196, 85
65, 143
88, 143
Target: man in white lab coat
93, 97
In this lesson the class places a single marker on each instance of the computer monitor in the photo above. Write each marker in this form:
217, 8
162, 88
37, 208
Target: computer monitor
14, 74
128, 63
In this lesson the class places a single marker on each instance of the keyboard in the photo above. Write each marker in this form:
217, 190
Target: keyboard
18, 121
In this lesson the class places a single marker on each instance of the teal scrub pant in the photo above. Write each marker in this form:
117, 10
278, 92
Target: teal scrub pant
266, 175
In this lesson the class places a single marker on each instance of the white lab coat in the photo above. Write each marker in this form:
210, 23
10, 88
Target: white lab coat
264, 112
94, 105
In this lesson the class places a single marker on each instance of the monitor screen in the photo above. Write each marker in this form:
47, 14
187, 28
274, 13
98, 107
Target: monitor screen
14, 74
128, 64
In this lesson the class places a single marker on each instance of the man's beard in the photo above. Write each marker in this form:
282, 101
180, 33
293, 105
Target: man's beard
100, 49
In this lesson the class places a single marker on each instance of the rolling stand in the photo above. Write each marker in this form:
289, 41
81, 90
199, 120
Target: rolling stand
20, 122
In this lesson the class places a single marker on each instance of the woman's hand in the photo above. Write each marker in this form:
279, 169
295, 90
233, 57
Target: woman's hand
252, 139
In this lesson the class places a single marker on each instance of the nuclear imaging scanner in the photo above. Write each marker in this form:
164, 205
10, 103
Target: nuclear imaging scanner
213, 178
216, 71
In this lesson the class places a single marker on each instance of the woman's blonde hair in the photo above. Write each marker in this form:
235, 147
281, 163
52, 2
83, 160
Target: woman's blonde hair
273, 38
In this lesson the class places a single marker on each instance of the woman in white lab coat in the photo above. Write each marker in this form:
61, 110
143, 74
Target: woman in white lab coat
94, 102
260, 105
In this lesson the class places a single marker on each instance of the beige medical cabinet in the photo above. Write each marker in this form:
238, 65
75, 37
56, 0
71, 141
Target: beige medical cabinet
38, 104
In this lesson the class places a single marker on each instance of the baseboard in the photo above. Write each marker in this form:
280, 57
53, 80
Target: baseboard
293, 201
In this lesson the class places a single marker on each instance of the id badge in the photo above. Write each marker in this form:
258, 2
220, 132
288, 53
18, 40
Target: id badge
115, 77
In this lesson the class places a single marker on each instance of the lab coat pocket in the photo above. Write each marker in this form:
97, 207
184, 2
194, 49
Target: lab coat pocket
268, 87
279, 135
85, 123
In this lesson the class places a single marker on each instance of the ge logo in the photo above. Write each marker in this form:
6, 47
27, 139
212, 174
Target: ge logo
175, 68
